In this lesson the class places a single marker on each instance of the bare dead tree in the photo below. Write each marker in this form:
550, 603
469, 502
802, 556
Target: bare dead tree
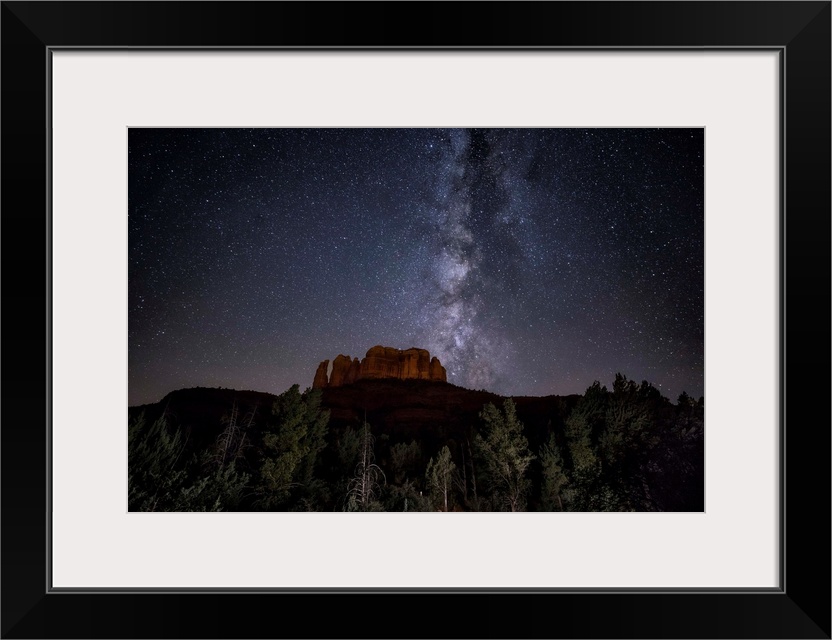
365, 485
233, 440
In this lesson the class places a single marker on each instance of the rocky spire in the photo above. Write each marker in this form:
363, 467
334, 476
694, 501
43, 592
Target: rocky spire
320, 376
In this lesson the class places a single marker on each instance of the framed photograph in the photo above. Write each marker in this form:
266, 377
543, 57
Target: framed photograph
117, 120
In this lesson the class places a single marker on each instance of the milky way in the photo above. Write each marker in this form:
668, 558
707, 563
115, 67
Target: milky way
530, 261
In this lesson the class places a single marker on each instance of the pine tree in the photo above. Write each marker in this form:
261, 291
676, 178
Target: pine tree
292, 443
441, 476
158, 474
554, 476
585, 419
404, 458
504, 451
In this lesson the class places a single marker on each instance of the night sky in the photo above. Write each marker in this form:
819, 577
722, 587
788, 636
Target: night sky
530, 261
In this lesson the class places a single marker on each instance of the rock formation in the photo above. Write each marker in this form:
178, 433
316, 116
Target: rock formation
381, 363
320, 375
353, 373
340, 369
437, 371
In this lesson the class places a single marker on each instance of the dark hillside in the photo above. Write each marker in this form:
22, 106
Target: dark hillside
417, 445
401, 410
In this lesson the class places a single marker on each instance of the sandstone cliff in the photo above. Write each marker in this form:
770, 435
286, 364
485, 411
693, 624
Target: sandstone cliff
340, 369
320, 375
381, 363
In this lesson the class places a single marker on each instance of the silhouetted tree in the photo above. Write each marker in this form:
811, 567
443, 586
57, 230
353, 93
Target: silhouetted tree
158, 477
291, 444
504, 451
554, 476
233, 440
585, 418
404, 460
441, 477
364, 488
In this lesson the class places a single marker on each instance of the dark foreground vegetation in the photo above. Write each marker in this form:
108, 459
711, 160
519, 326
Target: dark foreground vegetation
417, 447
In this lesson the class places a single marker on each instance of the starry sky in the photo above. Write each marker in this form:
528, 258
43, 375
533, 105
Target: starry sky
530, 261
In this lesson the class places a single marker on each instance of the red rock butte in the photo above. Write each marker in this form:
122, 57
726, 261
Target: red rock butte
381, 363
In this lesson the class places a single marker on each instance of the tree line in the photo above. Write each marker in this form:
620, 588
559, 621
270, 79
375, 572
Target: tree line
623, 449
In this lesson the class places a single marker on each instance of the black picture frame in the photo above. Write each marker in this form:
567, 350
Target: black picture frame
800, 31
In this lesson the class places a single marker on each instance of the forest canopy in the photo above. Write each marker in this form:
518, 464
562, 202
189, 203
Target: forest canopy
627, 448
